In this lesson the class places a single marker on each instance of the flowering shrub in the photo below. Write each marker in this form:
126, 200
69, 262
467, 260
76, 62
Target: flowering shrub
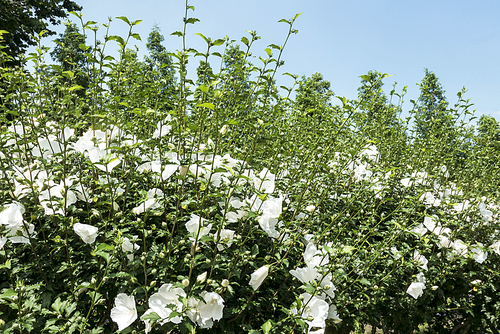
228, 212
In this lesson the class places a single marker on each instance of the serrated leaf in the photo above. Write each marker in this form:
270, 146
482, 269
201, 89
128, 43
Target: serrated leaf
192, 20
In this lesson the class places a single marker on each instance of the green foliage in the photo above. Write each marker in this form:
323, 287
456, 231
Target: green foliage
313, 96
24, 19
218, 205
431, 114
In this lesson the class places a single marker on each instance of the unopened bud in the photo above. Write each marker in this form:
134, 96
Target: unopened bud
202, 277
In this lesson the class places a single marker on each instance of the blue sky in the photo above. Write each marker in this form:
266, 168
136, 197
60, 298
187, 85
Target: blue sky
458, 40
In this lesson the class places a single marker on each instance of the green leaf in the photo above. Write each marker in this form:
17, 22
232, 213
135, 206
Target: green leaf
267, 327
136, 36
8, 293
255, 249
177, 33
218, 42
274, 46
75, 87
364, 281
269, 52
232, 122
119, 39
297, 16
245, 41
101, 251
7, 264
192, 20
124, 19
203, 88
203, 36
284, 20
206, 105
136, 22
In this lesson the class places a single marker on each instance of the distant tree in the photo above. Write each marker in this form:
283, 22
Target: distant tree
158, 69
378, 118
371, 96
71, 57
431, 113
313, 96
23, 19
489, 132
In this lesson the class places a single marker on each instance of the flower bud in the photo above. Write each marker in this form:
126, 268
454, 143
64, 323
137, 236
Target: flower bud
152, 284
223, 130
185, 282
225, 283
202, 277
183, 170
435, 287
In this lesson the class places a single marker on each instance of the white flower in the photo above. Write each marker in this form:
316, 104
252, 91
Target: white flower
459, 247
496, 247
167, 295
420, 230
314, 308
88, 233
195, 223
332, 314
478, 254
314, 257
305, 275
130, 246
162, 128
3, 240
225, 236
265, 181
421, 278
259, 276
124, 313
420, 259
416, 289
212, 307
395, 253
224, 283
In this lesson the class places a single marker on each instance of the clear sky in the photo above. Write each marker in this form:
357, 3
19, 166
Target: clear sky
458, 40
